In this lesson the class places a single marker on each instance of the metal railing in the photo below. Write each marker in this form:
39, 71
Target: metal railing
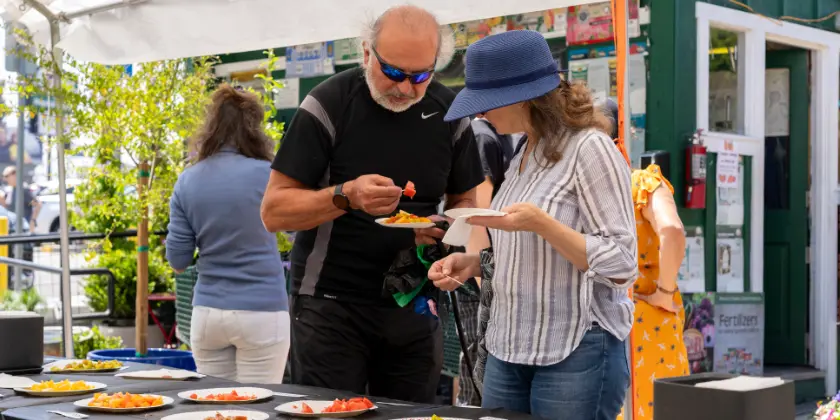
74, 272
74, 237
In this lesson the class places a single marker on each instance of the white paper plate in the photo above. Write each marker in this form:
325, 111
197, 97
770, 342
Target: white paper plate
161, 374
201, 415
261, 394
458, 213
96, 388
381, 221
84, 404
62, 364
295, 408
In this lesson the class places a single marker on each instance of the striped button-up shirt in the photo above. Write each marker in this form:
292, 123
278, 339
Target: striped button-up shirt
542, 305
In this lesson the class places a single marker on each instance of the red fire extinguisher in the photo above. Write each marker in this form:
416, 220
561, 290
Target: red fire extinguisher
695, 174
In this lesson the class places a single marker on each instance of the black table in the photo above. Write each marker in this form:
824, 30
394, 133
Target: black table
24, 407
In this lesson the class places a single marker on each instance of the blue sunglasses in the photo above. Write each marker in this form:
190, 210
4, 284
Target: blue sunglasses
397, 75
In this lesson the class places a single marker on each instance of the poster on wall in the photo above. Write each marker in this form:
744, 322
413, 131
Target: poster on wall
592, 23
729, 199
729, 255
310, 60
699, 331
739, 333
692, 274
776, 102
347, 50
288, 96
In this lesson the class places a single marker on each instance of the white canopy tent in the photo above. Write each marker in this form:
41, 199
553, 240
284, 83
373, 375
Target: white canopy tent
135, 31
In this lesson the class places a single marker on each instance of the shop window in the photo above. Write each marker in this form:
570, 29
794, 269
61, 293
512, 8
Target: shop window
725, 83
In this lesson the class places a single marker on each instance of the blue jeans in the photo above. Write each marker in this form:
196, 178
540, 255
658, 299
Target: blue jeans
590, 384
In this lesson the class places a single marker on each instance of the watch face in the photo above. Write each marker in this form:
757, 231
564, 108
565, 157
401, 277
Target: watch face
341, 201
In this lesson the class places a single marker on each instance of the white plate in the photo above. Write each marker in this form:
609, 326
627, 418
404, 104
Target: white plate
84, 404
294, 408
96, 388
458, 213
161, 374
381, 221
260, 393
62, 364
201, 415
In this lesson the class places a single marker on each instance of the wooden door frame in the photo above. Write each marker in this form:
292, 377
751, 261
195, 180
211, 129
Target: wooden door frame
824, 46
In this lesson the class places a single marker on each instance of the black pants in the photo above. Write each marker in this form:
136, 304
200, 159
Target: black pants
386, 352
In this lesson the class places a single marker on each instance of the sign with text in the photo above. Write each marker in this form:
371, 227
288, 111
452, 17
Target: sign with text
739, 333
310, 60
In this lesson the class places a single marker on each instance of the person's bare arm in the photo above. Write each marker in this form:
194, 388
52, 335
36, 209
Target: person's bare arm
661, 212
288, 205
464, 201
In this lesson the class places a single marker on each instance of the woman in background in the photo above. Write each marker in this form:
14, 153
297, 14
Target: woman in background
240, 323
657, 335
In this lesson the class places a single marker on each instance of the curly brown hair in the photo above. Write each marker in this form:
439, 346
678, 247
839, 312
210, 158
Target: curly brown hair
558, 115
234, 118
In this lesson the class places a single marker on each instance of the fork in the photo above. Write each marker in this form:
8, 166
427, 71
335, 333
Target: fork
69, 414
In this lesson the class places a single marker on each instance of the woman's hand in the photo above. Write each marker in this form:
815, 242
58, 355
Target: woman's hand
660, 300
519, 217
452, 271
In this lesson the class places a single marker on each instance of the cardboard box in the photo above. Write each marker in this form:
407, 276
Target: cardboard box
679, 399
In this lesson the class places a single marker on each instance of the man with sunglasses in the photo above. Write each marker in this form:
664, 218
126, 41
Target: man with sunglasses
357, 139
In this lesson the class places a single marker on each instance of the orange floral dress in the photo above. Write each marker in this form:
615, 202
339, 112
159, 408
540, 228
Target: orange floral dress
657, 335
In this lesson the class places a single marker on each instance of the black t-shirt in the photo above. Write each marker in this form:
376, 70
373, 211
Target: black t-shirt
28, 199
340, 133
496, 151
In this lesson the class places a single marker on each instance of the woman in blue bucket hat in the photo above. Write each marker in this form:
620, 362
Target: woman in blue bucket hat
555, 307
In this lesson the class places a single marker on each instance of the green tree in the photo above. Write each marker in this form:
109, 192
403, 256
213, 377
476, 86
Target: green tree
127, 120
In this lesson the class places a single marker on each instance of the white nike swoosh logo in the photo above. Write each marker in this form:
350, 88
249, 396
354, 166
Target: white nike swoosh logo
424, 116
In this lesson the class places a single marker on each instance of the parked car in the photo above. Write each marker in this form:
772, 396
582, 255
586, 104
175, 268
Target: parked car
47, 220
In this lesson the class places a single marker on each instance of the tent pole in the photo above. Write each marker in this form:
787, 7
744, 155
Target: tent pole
621, 12
64, 224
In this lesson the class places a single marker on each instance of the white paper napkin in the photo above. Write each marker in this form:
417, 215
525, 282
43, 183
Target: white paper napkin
459, 232
161, 374
742, 383
11, 382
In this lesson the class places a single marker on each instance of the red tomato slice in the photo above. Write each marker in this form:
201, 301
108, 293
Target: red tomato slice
409, 190
306, 409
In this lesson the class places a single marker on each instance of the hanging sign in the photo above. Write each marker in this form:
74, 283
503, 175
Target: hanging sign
310, 60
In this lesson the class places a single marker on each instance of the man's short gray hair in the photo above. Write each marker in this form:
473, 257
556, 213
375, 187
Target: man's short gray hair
446, 39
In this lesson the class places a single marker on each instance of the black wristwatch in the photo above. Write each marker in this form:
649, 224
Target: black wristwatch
339, 199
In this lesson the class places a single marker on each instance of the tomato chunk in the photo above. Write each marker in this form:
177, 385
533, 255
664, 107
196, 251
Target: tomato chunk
409, 190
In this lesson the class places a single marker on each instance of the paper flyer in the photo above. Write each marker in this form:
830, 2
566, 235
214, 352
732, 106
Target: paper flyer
730, 259
692, 274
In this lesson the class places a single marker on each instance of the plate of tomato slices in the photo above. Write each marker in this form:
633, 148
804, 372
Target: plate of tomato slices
333, 409
227, 395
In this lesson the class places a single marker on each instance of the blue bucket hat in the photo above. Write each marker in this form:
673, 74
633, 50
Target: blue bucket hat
505, 69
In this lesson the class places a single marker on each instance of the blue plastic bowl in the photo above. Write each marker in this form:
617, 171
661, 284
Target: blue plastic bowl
178, 359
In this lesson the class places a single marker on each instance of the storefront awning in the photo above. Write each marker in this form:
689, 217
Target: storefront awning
133, 31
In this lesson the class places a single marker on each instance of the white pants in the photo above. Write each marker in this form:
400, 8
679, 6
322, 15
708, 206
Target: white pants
243, 346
